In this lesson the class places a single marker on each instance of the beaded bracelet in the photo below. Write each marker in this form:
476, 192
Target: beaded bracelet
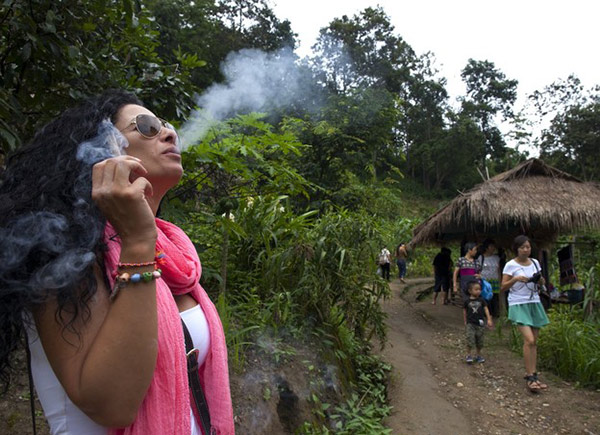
125, 278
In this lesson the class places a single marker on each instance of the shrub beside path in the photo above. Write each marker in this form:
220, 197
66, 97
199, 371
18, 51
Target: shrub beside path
433, 391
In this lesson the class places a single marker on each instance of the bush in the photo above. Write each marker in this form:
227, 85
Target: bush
570, 347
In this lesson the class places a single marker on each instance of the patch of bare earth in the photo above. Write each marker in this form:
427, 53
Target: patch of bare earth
15, 408
435, 392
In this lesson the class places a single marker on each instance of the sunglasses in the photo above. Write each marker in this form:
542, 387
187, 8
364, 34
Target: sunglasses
150, 126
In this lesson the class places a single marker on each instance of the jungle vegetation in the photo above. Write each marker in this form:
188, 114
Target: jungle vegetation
288, 205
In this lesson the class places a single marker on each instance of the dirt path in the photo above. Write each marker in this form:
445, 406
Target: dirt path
434, 392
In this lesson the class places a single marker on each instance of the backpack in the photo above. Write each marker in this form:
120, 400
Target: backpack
486, 290
382, 259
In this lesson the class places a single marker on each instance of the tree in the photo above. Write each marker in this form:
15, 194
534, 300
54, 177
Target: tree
52, 54
423, 121
384, 99
212, 29
489, 93
238, 160
363, 51
572, 143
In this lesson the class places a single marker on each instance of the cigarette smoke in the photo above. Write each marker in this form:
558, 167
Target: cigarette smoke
69, 247
255, 81
109, 142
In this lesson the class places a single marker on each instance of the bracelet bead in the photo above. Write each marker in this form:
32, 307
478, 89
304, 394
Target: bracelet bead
125, 278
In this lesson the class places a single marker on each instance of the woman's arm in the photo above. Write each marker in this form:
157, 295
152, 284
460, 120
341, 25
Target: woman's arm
106, 361
107, 365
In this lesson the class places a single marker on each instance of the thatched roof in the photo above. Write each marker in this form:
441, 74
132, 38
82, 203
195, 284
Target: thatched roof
532, 198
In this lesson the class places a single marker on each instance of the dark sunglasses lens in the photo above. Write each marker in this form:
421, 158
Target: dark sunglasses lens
148, 125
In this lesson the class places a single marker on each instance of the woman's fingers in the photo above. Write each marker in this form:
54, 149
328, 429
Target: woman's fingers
144, 185
123, 202
107, 171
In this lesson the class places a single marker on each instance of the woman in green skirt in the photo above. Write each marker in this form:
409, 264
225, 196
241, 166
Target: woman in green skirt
521, 277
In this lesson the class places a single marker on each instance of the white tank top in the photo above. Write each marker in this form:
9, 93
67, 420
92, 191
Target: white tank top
64, 418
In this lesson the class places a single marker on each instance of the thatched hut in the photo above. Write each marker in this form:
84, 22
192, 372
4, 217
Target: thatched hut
532, 198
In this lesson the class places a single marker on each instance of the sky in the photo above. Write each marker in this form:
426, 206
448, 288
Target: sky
535, 42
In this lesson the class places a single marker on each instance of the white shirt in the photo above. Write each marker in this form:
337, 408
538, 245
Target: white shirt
490, 267
64, 418
522, 292
386, 254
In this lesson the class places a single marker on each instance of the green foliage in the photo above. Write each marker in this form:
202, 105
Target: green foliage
591, 302
363, 51
287, 271
52, 54
489, 93
420, 262
570, 142
573, 140
242, 157
212, 29
570, 347
365, 409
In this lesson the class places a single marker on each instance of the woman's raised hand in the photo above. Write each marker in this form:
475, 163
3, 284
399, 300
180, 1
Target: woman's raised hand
120, 191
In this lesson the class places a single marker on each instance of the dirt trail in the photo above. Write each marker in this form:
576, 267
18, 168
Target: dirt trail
434, 392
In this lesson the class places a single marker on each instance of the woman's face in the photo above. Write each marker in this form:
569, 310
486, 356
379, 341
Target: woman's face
473, 251
159, 155
490, 250
524, 250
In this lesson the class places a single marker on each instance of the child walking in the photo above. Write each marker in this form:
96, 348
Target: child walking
476, 314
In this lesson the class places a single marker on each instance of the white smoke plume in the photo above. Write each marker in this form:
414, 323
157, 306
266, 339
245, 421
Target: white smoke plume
255, 81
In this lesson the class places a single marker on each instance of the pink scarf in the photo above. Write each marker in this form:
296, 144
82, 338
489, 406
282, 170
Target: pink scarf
166, 407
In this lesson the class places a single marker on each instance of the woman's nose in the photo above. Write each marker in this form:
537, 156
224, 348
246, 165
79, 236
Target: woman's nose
170, 135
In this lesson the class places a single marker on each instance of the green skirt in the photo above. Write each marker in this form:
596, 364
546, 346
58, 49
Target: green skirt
532, 314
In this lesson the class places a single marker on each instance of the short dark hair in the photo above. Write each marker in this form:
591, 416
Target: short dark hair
518, 242
472, 283
486, 243
469, 246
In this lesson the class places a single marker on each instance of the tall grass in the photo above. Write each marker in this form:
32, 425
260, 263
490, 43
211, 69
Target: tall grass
570, 347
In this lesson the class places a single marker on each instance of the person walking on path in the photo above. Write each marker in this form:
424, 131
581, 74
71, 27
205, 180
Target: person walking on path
467, 268
401, 255
384, 263
476, 316
490, 271
442, 264
521, 277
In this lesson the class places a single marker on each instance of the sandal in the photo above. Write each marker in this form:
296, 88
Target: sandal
532, 384
540, 383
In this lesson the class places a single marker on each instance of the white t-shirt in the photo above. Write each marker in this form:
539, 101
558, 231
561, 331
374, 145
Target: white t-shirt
490, 267
384, 255
522, 292
64, 418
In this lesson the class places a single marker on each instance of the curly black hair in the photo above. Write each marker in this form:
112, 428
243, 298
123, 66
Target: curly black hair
50, 229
